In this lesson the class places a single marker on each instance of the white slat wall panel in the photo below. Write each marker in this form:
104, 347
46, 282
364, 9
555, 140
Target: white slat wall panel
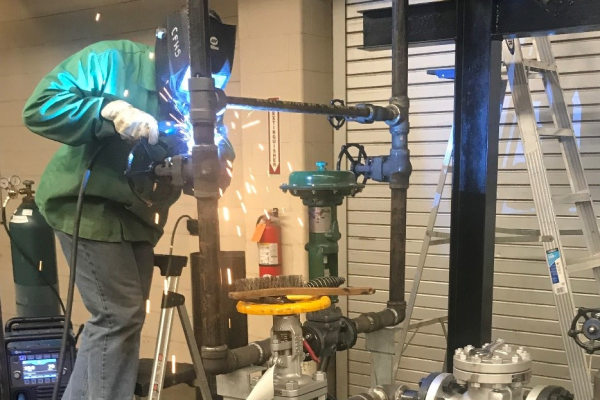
524, 311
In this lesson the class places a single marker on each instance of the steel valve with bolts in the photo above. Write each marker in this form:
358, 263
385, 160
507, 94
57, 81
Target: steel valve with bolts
288, 355
497, 371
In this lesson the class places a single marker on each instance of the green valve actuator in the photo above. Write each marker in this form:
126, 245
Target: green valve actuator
322, 191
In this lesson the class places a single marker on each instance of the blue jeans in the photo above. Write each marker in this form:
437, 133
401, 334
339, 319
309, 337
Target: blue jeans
114, 282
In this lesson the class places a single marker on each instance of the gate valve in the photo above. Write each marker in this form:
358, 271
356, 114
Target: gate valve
587, 324
354, 162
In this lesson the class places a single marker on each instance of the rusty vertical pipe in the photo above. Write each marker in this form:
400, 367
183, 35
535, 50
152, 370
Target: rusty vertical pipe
205, 164
399, 48
400, 178
398, 247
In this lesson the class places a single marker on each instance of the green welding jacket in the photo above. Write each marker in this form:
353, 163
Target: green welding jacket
66, 107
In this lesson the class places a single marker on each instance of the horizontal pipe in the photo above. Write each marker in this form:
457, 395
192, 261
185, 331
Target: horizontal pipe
375, 321
371, 112
223, 360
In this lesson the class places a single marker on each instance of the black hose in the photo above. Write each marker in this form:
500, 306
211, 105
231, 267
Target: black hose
30, 262
72, 275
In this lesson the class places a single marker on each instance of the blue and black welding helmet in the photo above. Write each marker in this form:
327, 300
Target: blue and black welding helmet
173, 60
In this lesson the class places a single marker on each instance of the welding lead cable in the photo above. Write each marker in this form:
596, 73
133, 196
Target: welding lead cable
71, 291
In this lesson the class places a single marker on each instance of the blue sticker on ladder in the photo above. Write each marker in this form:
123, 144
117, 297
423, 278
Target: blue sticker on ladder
552, 256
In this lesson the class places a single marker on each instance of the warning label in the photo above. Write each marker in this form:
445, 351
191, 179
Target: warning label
319, 219
268, 254
557, 271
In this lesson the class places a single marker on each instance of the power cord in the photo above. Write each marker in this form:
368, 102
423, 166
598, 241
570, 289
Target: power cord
72, 275
30, 262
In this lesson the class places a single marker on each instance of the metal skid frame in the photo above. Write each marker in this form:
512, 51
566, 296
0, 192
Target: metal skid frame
477, 28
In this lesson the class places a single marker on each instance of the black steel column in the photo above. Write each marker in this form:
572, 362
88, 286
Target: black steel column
474, 178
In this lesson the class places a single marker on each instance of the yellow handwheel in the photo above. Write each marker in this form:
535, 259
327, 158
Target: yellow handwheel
298, 307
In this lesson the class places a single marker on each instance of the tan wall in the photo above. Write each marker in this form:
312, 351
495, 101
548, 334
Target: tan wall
40, 34
286, 52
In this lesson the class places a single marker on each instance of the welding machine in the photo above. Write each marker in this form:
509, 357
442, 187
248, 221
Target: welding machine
32, 349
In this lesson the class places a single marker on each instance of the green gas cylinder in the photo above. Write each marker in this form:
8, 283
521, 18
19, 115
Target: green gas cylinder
322, 191
32, 235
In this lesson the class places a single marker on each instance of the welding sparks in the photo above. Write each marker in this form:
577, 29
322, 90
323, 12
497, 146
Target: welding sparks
126, 93
237, 115
253, 189
229, 280
239, 195
40, 266
244, 208
97, 17
173, 365
221, 192
267, 189
229, 323
147, 306
230, 164
252, 177
300, 222
248, 188
226, 213
249, 124
266, 213
151, 56
261, 147
229, 172
232, 125
289, 165
239, 231
156, 218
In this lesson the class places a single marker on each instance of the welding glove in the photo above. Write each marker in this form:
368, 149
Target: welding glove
131, 123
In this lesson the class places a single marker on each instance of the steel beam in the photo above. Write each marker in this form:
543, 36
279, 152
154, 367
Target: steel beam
435, 23
428, 23
474, 178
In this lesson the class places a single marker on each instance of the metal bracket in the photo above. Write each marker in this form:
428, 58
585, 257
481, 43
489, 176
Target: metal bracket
238, 384
384, 354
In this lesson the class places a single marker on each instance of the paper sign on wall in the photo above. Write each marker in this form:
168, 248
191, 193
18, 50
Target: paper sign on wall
274, 147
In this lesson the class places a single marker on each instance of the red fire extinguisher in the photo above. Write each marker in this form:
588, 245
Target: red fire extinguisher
269, 244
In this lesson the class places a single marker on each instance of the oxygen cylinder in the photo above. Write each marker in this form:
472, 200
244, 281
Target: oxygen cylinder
32, 235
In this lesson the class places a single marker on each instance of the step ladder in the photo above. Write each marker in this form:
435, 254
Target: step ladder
519, 71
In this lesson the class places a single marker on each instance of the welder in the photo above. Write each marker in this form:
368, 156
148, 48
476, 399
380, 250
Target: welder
109, 96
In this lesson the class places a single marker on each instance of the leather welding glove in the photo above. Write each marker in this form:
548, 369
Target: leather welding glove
132, 124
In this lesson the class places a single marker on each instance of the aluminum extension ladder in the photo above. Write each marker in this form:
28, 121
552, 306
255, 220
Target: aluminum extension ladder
519, 71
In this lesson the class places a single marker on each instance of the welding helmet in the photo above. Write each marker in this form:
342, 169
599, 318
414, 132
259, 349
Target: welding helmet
173, 60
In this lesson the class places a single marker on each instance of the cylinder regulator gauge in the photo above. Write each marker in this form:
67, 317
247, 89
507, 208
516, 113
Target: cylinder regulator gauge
4, 183
14, 180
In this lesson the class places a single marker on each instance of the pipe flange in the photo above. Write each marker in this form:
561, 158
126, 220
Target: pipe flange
431, 386
504, 360
542, 392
